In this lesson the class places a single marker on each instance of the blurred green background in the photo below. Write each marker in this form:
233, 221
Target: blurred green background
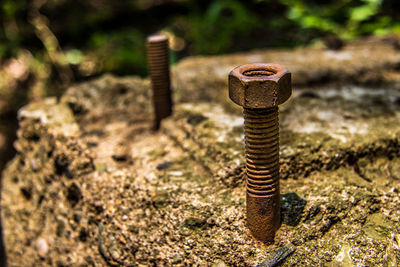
61, 41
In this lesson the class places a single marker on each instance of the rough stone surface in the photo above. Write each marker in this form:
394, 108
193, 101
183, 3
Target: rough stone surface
91, 184
320, 129
368, 61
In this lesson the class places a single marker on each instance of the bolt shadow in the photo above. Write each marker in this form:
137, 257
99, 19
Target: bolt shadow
292, 207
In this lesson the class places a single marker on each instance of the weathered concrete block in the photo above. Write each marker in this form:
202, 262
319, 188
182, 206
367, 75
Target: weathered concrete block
91, 184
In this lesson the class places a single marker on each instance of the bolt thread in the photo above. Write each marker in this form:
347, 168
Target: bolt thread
158, 58
262, 151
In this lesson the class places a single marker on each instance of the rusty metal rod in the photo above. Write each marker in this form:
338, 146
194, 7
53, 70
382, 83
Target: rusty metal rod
262, 171
259, 88
158, 58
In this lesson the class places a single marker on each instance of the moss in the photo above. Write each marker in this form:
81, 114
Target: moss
100, 166
162, 198
194, 223
155, 153
377, 227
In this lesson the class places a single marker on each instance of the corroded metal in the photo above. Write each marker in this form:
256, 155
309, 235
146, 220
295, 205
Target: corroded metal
259, 88
158, 58
259, 85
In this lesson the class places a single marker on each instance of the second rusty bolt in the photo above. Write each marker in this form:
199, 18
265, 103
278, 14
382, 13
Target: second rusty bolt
158, 58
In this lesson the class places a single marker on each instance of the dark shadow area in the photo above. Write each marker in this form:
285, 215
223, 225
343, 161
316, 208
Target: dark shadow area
8, 128
292, 207
3, 259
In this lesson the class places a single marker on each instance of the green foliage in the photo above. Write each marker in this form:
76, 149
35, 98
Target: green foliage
212, 31
122, 52
345, 18
111, 34
10, 35
364, 11
74, 56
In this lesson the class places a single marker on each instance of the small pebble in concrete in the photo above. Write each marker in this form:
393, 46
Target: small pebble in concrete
42, 247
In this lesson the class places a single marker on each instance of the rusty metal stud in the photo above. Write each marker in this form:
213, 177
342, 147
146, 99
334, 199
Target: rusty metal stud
158, 58
259, 88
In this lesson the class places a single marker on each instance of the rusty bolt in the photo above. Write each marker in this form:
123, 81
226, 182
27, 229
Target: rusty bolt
259, 88
158, 58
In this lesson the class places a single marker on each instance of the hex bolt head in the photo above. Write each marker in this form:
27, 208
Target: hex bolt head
259, 88
260, 85
158, 59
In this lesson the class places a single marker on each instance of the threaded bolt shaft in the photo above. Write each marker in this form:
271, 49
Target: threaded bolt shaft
262, 171
259, 88
158, 58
